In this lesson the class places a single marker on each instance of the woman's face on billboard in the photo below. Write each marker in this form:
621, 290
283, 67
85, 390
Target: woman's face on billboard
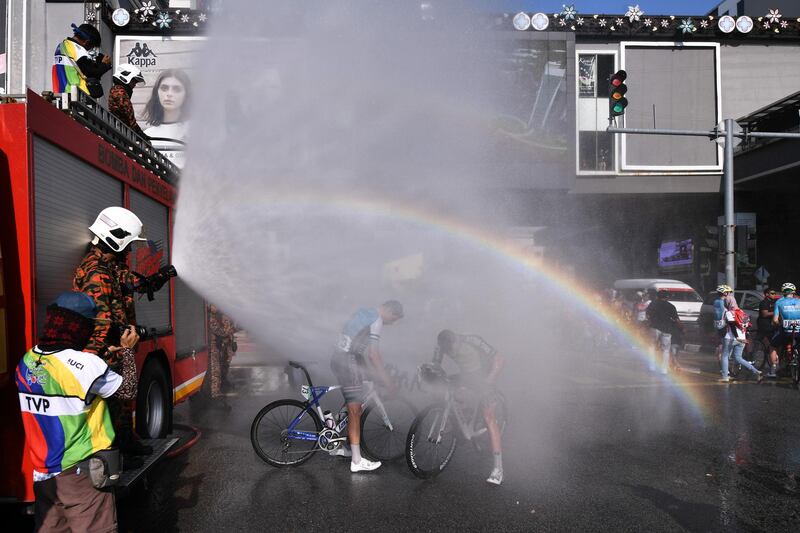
171, 94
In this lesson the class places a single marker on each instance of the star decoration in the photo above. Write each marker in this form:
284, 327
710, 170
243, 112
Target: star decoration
774, 16
569, 12
766, 25
665, 23
784, 24
202, 17
580, 21
619, 22
648, 22
687, 26
603, 23
163, 20
634, 13
184, 18
704, 24
147, 9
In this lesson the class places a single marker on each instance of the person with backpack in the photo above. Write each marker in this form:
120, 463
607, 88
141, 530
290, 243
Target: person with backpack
737, 322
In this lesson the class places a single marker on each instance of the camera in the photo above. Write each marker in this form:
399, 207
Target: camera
116, 330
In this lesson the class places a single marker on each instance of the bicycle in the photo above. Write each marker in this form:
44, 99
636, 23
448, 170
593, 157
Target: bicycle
790, 352
433, 430
287, 432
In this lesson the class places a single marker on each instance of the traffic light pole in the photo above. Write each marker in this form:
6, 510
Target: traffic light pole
728, 134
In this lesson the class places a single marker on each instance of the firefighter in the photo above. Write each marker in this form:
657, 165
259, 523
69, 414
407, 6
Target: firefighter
119, 97
63, 392
221, 329
104, 275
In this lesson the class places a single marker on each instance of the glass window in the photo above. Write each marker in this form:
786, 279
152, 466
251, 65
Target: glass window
681, 295
750, 302
596, 150
594, 71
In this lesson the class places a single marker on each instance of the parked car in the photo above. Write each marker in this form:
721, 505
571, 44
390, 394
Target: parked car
682, 296
748, 301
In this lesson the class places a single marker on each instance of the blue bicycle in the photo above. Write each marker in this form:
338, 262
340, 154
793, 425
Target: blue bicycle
288, 432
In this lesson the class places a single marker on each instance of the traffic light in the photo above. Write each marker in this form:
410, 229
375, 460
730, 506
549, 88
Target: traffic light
616, 94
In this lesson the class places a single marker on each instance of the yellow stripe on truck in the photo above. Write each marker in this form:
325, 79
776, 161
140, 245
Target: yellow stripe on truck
187, 387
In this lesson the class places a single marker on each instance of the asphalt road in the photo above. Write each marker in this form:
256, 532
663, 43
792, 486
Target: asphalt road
593, 444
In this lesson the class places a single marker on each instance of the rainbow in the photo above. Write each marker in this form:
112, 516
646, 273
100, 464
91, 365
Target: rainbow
501, 247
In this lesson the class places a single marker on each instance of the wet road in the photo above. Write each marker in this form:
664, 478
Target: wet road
598, 445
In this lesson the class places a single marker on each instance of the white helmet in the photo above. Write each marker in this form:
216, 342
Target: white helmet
117, 227
127, 73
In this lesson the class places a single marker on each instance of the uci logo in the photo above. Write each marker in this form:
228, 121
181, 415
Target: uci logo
76, 364
142, 56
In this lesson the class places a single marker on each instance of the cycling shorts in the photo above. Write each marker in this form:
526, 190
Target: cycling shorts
350, 374
781, 338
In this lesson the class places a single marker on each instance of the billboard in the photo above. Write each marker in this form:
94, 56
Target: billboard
162, 103
675, 253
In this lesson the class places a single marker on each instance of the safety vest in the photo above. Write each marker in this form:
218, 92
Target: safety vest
65, 67
64, 423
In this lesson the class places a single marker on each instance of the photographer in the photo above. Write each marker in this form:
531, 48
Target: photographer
63, 391
104, 275
77, 65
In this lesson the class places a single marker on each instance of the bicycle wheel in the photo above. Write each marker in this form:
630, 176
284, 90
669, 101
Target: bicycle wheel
268, 433
430, 444
482, 442
759, 354
794, 366
380, 442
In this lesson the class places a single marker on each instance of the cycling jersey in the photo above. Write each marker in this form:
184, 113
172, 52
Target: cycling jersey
472, 354
362, 330
788, 310
719, 313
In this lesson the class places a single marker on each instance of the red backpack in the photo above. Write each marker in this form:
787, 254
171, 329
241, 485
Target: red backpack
742, 320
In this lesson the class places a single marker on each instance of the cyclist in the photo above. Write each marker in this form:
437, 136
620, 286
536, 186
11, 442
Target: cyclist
663, 319
766, 311
724, 292
786, 317
478, 364
360, 337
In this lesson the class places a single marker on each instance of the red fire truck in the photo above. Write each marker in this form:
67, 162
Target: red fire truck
61, 162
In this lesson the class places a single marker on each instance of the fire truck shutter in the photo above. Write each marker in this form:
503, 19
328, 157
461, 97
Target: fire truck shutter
190, 318
68, 195
155, 218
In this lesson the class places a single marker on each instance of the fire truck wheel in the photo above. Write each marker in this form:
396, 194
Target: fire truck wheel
153, 403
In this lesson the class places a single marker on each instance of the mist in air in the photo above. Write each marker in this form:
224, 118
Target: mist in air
336, 147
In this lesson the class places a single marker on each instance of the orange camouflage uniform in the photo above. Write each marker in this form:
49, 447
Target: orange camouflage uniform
220, 354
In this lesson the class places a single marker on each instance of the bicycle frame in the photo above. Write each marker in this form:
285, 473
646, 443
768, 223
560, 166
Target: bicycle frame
464, 425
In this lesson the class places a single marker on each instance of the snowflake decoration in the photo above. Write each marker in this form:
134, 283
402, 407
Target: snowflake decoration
91, 16
202, 17
579, 21
163, 20
766, 25
784, 24
619, 22
569, 12
704, 24
602, 23
687, 26
665, 23
147, 10
774, 16
562, 22
634, 13
648, 22
184, 18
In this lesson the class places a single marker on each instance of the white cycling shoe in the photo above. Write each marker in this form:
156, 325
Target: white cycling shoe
496, 477
365, 465
341, 452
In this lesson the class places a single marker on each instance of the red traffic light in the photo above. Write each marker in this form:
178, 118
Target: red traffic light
616, 98
618, 78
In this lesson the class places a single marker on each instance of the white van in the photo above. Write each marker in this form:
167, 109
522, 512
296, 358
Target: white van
682, 296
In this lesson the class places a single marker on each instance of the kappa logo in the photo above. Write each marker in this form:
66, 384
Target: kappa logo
142, 56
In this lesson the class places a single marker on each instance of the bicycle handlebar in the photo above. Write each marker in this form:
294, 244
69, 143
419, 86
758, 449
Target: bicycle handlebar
295, 364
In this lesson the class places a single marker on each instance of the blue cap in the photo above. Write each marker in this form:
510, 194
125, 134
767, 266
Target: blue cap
77, 302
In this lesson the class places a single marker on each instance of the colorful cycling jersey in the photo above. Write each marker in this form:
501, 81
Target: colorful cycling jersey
472, 354
788, 309
362, 330
65, 72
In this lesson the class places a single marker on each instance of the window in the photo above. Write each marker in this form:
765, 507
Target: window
596, 149
750, 302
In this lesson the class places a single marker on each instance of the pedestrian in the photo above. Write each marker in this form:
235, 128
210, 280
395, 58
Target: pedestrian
662, 318
766, 311
229, 348
221, 335
735, 338
63, 393
720, 326
104, 275
78, 63
119, 97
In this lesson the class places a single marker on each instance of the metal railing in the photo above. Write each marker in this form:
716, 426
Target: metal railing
102, 122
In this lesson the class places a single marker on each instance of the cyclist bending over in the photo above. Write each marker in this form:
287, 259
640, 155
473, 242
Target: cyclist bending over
360, 336
478, 364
